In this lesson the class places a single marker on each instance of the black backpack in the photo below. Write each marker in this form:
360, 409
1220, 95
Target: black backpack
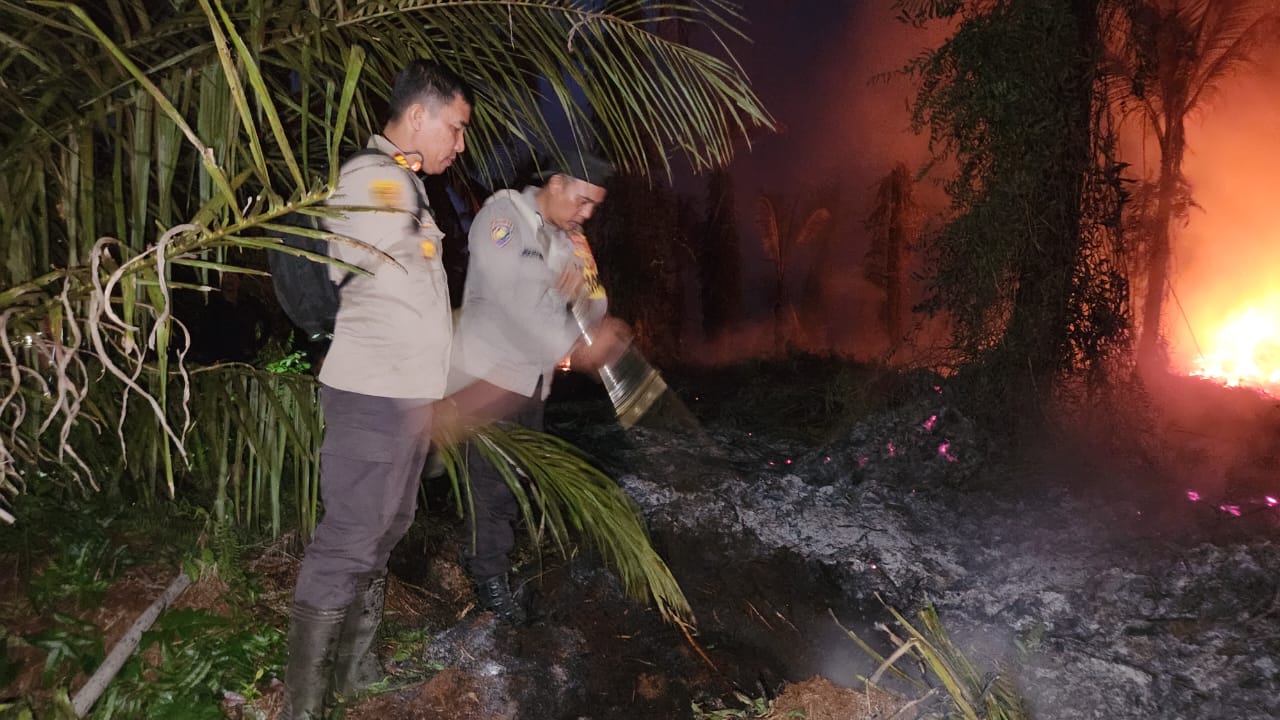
302, 285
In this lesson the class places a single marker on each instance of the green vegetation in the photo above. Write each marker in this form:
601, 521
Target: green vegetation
195, 659
156, 145
751, 708
199, 656
1030, 295
184, 662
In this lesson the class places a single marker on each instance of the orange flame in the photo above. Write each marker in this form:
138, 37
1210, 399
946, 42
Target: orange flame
1245, 350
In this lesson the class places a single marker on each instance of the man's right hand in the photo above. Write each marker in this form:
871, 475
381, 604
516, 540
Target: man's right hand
458, 416
572, 284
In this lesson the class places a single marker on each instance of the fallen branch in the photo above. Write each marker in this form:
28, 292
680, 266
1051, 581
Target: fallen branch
106, 672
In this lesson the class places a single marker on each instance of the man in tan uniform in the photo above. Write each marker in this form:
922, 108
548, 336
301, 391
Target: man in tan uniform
530, 264
386, 366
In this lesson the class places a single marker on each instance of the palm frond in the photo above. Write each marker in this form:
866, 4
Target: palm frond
1231, 36
612, 73
1173, 54
166, 134
813, 226
560, 492
767, 222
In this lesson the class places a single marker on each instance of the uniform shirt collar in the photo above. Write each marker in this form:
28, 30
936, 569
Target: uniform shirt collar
381, 143
530, 196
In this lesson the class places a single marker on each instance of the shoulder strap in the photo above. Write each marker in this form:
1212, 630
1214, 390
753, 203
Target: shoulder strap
371, 151
365, 151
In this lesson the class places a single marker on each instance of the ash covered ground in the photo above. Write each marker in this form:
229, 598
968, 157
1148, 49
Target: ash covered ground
1111, 569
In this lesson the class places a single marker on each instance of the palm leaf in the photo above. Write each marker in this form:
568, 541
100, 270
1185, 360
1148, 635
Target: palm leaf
169, 133
1233, 34
559, 490
767, 221
813, 226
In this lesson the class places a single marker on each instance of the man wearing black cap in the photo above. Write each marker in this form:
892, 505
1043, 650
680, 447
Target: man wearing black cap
530, 269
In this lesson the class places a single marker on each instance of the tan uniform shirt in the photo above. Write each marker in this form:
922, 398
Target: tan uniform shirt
392, 334
514, 326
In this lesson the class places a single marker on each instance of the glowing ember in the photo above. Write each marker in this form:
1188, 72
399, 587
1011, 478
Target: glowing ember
928, 424
893, 451
862, 461
1245, 350
945, 451
1233, 510
1193, 496
1272, 502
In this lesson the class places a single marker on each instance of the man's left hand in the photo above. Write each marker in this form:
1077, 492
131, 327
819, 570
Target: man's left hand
609, 339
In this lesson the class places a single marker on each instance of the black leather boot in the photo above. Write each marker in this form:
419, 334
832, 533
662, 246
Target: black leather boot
357, 666
313, 633
495, 595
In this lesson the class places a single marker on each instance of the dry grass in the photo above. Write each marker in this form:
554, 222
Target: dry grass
820, 699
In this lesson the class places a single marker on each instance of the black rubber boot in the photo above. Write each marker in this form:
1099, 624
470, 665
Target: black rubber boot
357, 666
495, 595
313, 634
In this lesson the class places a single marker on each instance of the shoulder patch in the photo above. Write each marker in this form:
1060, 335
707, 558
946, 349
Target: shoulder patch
500, 232
385, 193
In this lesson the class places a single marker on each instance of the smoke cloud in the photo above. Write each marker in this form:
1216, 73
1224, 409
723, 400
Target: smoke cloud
828, 73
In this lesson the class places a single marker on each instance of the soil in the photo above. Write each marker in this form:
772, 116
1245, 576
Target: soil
113, 615
622, 659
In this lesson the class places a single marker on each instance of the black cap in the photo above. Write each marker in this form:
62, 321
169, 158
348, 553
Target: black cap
578, 163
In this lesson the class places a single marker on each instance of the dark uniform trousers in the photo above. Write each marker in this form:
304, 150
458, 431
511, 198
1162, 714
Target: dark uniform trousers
371, 462
491, 525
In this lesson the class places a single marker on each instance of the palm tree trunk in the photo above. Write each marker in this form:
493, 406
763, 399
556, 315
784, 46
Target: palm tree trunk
779, 305
1161, 247
1038, 327
893, 269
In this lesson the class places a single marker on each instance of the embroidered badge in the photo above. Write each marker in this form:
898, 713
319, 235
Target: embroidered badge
385, 193
531, 253
500, 231
428, 249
